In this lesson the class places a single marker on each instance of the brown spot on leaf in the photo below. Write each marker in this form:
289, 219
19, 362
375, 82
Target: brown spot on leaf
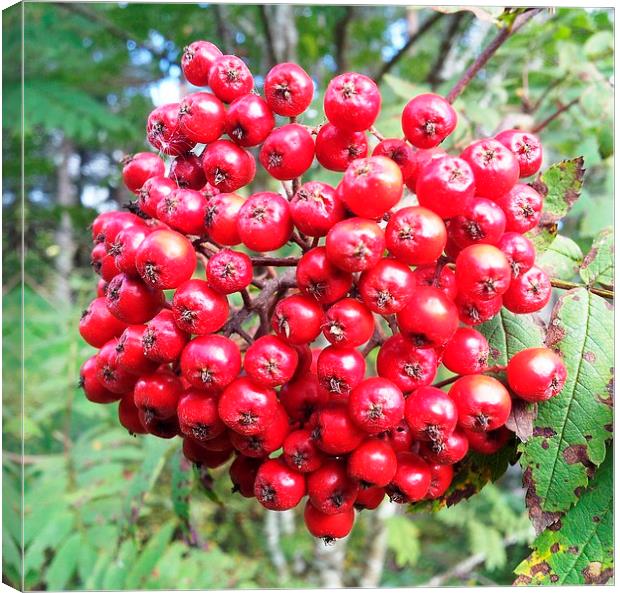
573, 550
521, 419
459, 495
540, 519
589, 357
555, 332
522, 579
596, 519
595, 575
555, 526
555, 548
544, 431
587, 437
609, 427
578, 454
579, 491
541, 568
554, 578
589, 258
545, 445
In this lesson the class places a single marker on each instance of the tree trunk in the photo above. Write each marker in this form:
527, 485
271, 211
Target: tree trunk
375, 553
66, 198
329, 562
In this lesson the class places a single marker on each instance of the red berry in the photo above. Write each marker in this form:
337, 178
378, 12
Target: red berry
246, 407
229, 271
522, 206
183, 210
210, 362
164, 132
301, 453
140, 167
157, 395
198, 416
529, 292
519, 252
474, 312
488, 443
162, 340
405, 365
411, 480
165, 259
339, 370
373, 463
198, 309
129, 416
419, 161
352, 102
130, 354
316, 208
336, 149
243, 472
428, 120
371, 186
445, 185
415, 235
125, 248
536, 374
441, 478
483, 402
330, 489
348, 323
467, 353
369, 498
297, 319
355, 244
220, 443
483, 272
270, 362
328, 527
526, 147
483, 221
201, 456
131, 300
398, 151
264, 222
249, 120
376, 404
198, 58
430, 319
220, 219
333, 430
230, 78
202, 117
187, 172
302, 397
288, 89
445, 280
495, 168
267, 441
94, 390
154, 191
227, 166
288, 152
168, 428
387, 287
399, 438
98, 325
277, 486
447, 451
431, 414
319, 278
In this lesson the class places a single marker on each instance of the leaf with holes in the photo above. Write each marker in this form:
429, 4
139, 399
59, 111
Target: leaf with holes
598, 265
560, 186
562, 259
572, 428
578, 547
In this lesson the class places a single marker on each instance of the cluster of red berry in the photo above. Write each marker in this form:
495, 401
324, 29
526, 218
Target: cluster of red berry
458, 256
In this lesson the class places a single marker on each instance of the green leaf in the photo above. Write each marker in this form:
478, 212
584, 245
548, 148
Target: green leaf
571, 429
182, 479
149, 556
64, 563
403, 539
578, 549
560, 185
598, 265
508, 333
405, 90
562, 258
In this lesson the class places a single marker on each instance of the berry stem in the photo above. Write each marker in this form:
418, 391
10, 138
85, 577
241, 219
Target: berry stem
565, 285
282, 262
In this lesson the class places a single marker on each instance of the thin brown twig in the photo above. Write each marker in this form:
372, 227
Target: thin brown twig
561, 109
282, 262
565, 285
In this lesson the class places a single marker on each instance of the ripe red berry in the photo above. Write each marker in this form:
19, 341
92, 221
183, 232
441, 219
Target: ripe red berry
198, 309
355, 244
339, 370
447, 451
330, 489
336, 149
495, 168
301, 453
130, 355
445, 280
430, 319
441, 478
187, 172
373, 463
427, 120
125, 248
230, 78
490, 442
198, 58
228, 166
162, 339
405, 365
333, 430
411, 480
369, 498
164, 132
165, 259
264, 222
183, 210
399, 438
266, 441
297, 319
219, 443
526, 147
140, 167
528, 293
302, 397
352, 102
482, 221
249, 120
220, 219
98, 325
157, 395
445, 185
536, 374
229, 271
198, 416
467, 353
387, 287
316, 208
210, 362
131, 300
376, 404
288, 89
243, 472
474, 312
278, 487
483, 402
348, 323
319, 278
328, 527
154, 191
483, 272
129, 415
270, 362
398, 151
203, 457
371, 186
522, 206
519, 252
94, 390
419, 161
288, 152
431, 414
108, 224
